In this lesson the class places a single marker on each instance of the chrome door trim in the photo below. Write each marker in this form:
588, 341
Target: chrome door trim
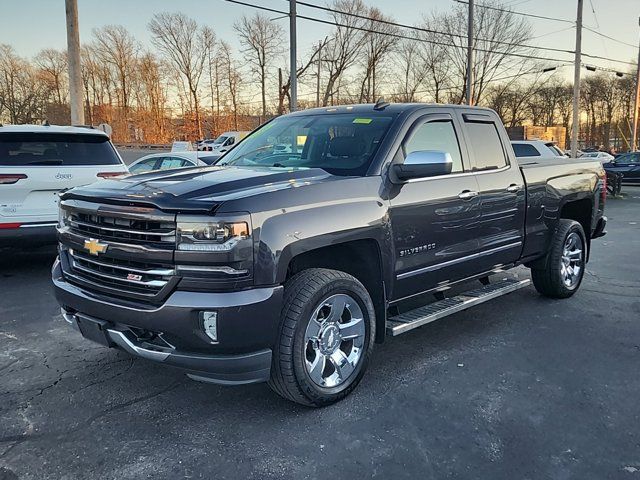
448, 263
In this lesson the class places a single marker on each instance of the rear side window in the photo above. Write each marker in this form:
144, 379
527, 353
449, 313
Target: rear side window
439, 136
486, 145
525, 150
22, 149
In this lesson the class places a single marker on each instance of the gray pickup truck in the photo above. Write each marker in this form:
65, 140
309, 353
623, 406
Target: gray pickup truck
288, 265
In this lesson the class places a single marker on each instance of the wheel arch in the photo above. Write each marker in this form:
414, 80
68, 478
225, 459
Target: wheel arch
360, 258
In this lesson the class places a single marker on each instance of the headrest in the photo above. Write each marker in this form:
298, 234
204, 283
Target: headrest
346, 147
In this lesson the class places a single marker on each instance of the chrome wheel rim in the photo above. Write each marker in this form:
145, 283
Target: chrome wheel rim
334, 340
572, 260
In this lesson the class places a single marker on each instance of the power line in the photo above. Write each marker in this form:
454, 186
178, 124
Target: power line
610, 38
397, 35
489, 7
424, 40
425, 30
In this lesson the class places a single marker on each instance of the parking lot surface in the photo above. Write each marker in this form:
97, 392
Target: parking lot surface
521, 387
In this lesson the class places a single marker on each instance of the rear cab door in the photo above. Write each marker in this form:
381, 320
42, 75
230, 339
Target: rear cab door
501, 188
36, 166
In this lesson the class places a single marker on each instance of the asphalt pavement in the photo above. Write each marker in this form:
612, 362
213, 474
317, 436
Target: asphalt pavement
522, 387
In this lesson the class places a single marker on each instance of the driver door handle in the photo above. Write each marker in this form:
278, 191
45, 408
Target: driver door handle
513, 188
467, 194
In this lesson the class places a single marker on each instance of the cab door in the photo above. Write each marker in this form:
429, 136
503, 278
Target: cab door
501, 187
434, 220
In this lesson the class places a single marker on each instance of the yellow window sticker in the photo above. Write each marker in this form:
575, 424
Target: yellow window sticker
364, 121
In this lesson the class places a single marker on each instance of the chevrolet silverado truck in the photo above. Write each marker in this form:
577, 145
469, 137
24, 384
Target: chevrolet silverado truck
288, 266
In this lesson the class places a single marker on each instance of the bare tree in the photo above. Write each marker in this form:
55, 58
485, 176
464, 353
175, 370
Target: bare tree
22, 95
499, 36
411, 71
185, 46
115, 46
284, 87
262, 40
53, 68
378, 43
345, 44
232, 77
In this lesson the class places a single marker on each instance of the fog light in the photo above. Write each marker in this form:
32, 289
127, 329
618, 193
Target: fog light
210, 324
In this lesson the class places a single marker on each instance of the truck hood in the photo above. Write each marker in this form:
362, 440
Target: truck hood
197, 189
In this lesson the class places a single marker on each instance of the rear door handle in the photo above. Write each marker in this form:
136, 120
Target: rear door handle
513, 188
467, 195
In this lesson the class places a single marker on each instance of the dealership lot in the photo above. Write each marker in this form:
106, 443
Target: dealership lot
522, 387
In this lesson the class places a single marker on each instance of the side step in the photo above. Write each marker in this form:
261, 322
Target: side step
434, 311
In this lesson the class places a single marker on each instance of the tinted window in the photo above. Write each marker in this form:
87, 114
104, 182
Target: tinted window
439, 136
144, 166
341, 144
486, 145
525, 150
18, 149
173, 162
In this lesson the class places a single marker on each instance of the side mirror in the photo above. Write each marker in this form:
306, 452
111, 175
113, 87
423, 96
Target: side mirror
424, 163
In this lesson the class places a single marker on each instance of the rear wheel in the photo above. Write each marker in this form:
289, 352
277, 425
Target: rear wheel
561, 272
326, 337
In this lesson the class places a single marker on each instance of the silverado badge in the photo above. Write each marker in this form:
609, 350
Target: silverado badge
95, 247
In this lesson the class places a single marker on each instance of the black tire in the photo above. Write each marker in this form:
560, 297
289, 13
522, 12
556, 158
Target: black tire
303, 294
547, 274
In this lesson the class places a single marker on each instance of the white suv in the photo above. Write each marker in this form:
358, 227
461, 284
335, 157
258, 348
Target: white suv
37, 162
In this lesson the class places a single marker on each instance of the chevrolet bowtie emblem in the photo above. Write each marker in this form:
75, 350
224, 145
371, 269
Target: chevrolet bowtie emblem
95, 247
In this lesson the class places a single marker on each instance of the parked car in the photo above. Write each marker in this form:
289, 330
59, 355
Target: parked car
536, 148
168, 161
288, 267
627, 165
602, 157
223, 143
36, 163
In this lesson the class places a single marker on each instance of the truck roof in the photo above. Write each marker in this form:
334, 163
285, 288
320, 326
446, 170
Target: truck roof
391, 108
50, 129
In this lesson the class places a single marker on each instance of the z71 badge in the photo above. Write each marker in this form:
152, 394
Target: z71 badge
422, 248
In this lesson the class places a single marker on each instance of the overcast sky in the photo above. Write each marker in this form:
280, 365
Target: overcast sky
30, 25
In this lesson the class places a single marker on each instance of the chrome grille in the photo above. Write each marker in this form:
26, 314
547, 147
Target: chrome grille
124, 275
152, 233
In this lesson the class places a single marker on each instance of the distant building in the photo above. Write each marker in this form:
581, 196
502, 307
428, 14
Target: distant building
556, 134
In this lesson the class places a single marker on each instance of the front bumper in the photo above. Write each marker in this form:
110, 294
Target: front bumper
248, 323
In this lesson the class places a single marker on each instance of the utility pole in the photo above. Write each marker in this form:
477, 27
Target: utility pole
293, 56
75, 73
575, 128
469, 92
636, 108
318, 74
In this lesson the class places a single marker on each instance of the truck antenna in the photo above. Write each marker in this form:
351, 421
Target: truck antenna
381, 104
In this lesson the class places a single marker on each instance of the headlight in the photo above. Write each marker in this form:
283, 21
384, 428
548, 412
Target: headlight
63, 217
215, 235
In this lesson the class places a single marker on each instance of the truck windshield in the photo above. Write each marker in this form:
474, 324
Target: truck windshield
341, 144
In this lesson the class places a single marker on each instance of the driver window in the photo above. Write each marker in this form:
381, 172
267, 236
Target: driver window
230, 141
440, 136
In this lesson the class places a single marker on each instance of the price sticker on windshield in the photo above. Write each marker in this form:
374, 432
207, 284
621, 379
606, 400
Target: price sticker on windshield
363, 121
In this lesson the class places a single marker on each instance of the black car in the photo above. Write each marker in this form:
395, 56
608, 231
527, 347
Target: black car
628, 165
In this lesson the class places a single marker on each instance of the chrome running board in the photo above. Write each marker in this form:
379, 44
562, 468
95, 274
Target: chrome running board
443, 308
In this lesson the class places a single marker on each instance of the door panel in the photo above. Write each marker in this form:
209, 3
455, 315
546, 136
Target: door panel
433, 229
502, 192
434, 220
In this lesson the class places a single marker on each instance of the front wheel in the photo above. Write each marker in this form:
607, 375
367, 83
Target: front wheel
326, 337
560, 274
